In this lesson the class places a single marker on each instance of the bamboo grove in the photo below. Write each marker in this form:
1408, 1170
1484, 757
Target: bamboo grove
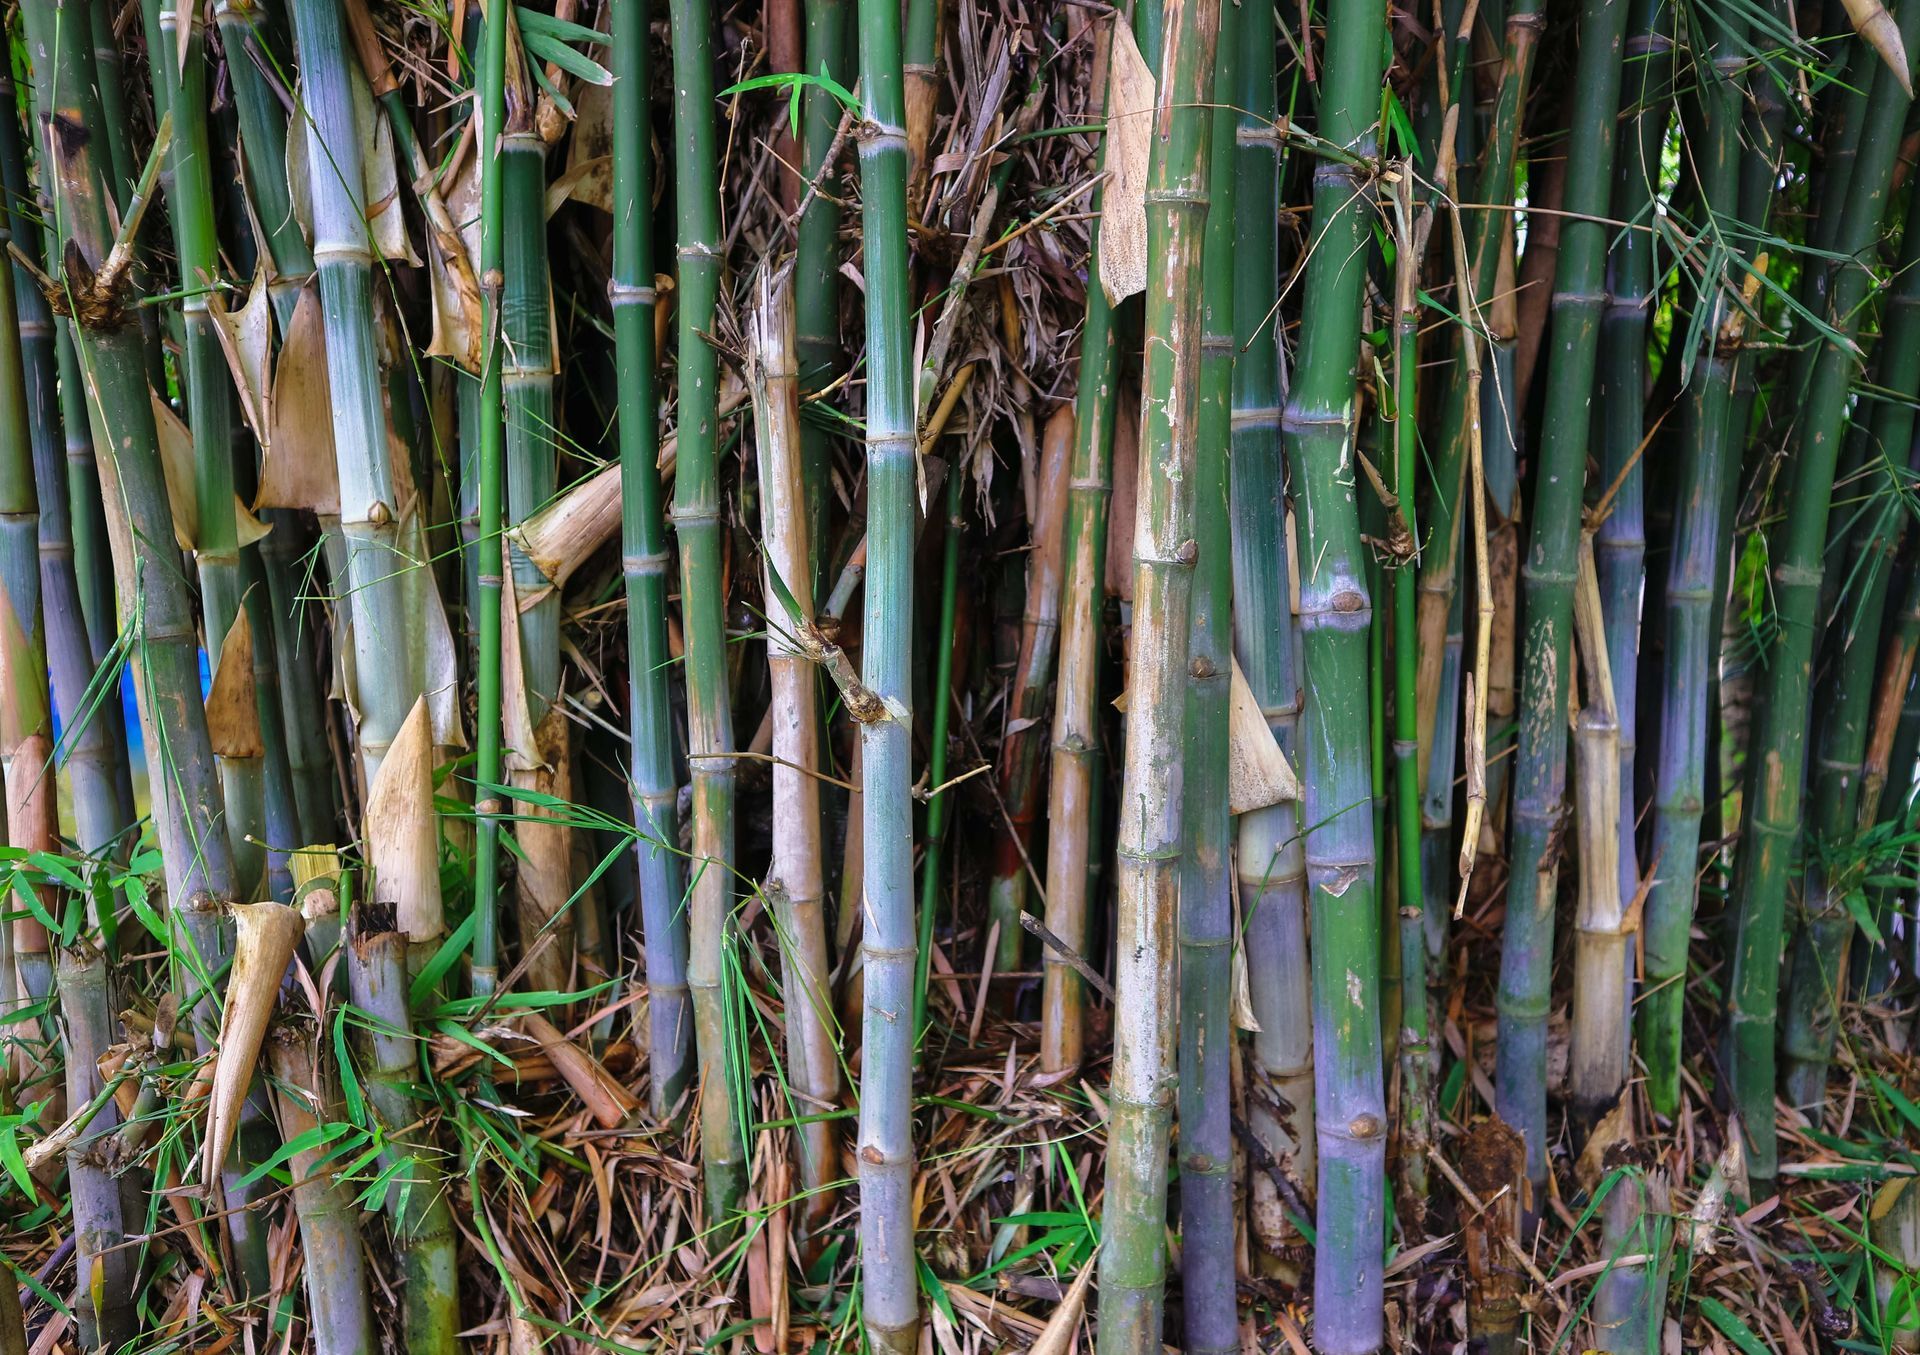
915, 676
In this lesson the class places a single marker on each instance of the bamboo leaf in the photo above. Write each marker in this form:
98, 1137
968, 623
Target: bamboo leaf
1732, 1327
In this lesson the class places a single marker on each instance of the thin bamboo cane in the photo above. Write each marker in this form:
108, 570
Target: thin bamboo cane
1133, 1259
1711, 424
1206, 1038
1833, 872
696, 520
1071, 788
1620, 543
939, 802
1540, 771
188, 806
888, 1258
796, 876
1023, 746
1778, 752
1272, 869
487, 585
816, 265
645, 559
1415, 1046
1439, 631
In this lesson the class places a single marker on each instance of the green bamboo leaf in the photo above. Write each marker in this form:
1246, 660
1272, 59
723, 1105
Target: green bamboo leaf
1732, 1327
533, 21
312, 1139
10, 1155
576, 64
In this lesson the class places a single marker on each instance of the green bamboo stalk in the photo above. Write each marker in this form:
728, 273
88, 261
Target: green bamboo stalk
1540, 772
1415, 1043
1778, 753
188, 805
1710, 428
388, 642
340, 1319
932, 866
1335, 613
1620, 543
488, 411
645, 558
1071, 788
816, 266
1151, 845
1636, 1240
424, 1233
1206, 1036
1833, 871
1266, 640
888, 1258
696, 520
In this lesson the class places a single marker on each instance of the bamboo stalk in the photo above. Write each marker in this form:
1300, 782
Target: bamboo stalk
1272, 868
696, 520
1409, 922
816, 266
1598, 1067
422, 1213
939, 802
1620, 542
1206, 1038
1710, 427
1022, 747
1335, 613
1540, 771
644, 556
1071, 788
1636, 1240
1833, 871
339, 1302
1133, 1259
888, 1258
796, 876
1778, 753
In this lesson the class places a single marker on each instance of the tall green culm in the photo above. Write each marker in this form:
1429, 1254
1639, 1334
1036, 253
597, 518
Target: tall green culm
389, 647
1134, 1261
1547, 574
696, 519
1212, 1322
1266, 642
1777, 755
644, 560
889, 1267
1320, 426
1709, 456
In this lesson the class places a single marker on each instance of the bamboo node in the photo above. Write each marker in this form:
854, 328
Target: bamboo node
1187, 552
1365, 1126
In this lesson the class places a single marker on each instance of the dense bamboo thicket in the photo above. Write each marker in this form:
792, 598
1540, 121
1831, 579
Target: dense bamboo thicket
917, 676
